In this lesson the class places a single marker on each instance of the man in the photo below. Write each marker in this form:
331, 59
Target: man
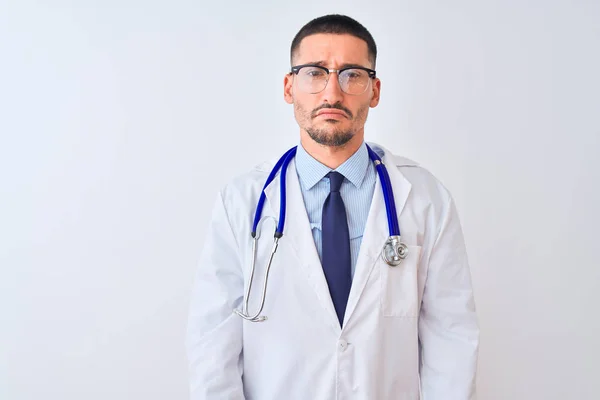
341, 323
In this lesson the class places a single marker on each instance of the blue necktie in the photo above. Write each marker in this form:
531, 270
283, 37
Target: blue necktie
336, 246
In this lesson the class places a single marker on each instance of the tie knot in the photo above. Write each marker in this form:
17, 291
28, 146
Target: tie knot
335, 181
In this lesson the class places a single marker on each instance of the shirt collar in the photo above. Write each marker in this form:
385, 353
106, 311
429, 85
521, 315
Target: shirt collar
311, 171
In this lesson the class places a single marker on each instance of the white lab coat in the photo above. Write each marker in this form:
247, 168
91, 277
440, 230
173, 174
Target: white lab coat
410, 332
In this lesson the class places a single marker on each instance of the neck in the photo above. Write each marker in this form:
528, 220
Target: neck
332, 157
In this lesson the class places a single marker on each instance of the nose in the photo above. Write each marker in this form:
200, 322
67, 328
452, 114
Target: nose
332, 92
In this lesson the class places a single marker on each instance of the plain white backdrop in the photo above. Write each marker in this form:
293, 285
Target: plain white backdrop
120, 120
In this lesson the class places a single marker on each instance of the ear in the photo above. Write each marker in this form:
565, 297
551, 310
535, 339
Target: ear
288, 93
376, 93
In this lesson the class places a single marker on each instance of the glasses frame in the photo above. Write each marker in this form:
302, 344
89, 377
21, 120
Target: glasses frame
372, 74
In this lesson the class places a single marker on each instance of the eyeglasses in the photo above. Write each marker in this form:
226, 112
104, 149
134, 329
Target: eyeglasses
314, 78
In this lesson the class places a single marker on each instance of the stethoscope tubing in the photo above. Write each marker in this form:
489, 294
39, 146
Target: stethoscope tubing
263, 196
283, 162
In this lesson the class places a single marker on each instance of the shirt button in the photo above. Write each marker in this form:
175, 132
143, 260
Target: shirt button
342, 345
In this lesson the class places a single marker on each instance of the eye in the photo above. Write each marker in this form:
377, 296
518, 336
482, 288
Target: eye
353, 74
315, 73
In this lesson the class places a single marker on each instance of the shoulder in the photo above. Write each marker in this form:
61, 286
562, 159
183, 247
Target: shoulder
423, 183
245, 188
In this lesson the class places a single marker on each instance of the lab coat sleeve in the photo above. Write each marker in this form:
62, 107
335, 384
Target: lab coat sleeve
214, 333
448, 327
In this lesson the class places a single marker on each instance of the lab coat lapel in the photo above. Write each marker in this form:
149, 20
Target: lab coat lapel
298, 232
376, 231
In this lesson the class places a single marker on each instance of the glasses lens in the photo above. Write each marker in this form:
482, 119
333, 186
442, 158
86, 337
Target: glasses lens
354, 81
312, 79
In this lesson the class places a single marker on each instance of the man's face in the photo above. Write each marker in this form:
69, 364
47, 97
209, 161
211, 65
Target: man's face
331, 117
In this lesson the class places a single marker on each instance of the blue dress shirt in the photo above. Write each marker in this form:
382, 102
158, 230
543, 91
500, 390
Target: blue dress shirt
357, 193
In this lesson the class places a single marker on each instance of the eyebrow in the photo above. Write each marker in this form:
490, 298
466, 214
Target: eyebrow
347, 65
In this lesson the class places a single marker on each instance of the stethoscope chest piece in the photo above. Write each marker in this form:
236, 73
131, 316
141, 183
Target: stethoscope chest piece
394, 251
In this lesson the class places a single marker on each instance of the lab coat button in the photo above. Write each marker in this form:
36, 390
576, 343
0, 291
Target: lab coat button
342, 345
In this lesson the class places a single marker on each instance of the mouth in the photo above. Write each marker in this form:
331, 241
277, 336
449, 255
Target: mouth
331, 114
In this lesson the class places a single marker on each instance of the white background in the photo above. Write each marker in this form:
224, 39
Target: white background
119, 121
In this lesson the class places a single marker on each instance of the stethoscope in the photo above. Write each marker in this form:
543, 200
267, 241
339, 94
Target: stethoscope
394, 251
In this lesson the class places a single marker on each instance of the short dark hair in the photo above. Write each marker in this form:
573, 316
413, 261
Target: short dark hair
336, 24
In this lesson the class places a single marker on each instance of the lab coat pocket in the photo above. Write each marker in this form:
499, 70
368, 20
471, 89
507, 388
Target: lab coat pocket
399, 285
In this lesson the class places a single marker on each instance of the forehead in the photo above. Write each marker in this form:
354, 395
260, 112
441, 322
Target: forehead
333, 50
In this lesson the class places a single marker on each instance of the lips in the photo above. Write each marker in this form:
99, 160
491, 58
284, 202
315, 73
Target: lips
331, 113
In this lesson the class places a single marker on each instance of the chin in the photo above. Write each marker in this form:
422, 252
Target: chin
330, 137
332, 125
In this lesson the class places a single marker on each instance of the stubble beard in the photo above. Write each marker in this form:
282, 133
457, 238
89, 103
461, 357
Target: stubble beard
326, 137
337, 138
